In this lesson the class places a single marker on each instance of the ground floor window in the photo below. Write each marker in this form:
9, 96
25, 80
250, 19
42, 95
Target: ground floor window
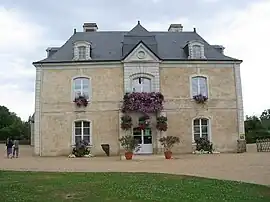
82, 131
200, 129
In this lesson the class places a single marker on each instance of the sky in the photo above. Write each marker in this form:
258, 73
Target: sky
28, 27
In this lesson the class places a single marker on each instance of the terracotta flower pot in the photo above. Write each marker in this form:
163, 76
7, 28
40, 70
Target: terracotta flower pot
128, 155
168, 154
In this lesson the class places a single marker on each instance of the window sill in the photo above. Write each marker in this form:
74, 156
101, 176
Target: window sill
89, 146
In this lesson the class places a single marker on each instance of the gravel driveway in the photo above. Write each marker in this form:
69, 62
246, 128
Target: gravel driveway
250, 167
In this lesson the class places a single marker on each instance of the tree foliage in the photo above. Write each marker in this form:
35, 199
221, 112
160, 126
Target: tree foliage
12, 126
257, 127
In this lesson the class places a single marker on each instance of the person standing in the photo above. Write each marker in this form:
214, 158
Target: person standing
16, 148
9, 145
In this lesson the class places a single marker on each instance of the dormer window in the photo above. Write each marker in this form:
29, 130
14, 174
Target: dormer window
82, 50
196, 50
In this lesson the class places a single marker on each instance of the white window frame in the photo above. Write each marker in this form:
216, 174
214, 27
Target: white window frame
133, 77
142, 86
90, 130
207, 84
76, 46
191, 50
73, 94
209, 131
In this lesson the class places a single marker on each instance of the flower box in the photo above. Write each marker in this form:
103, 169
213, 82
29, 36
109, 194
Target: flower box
200, 99
143, 102
162, 123
126, 122
81, 101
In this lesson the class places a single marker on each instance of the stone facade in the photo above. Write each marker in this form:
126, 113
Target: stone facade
55, 110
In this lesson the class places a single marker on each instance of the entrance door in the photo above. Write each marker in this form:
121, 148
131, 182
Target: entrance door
144, 137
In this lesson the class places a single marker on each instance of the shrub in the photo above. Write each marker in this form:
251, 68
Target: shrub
81, 149
204, 144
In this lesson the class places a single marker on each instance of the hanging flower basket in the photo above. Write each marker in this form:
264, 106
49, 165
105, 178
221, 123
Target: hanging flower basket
200, 99
144, 122
126, 122
162, 123
143, 102
81, 100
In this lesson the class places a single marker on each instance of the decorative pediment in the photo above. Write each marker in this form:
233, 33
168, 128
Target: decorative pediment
141, 53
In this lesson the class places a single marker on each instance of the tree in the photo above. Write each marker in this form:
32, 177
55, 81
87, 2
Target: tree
265, 119
12, 126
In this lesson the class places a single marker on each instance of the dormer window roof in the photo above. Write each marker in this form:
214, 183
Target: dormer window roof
195, 50
82, 50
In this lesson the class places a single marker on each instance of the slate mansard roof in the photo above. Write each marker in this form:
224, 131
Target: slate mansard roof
116, 45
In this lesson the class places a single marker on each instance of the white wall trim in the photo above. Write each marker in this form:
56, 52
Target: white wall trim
239, 100
209, 126
73, 130
190, 83
38, 89
72, 86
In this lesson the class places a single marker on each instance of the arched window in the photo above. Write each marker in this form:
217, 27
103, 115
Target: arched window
200, 128
141, 84
81, 87
82, 131
82, 52
199, 86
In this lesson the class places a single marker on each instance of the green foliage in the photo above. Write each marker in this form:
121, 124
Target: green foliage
81, 149
168, 142
257, 127
12, 126
204, 145
124, 187
129, 143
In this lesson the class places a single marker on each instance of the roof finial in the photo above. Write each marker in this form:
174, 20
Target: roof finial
139, 22
194, 29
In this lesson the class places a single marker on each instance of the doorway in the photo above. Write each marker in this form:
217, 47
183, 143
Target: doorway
144, 137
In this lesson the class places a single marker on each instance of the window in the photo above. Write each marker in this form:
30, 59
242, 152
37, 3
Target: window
200, 129
199, 86
197, 53
81, 87
82, 52
141, 84
82, 131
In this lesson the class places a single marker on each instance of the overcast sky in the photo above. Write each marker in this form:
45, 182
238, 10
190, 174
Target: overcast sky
28, 27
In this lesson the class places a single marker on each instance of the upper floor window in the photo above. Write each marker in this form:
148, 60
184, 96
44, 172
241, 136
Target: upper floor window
197, 53
82, 52
199, 86
82, 131
141, 84
81, 87
200, 129
196, 50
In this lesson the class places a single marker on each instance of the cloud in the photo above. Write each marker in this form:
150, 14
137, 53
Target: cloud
245, 33
19, 43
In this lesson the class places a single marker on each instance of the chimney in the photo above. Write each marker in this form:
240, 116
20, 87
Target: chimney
175, 28
219, 48
90, 27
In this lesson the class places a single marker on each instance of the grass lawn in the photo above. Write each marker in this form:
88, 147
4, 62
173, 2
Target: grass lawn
123, 187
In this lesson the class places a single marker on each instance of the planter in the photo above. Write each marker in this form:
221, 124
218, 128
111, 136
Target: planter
128, 155
168, 154
106, 149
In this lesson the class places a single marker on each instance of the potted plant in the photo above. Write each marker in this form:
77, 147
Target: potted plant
81, 100
168, 142
144, 122
200, 99
130, 145
81, 149
162, 123
203, 145
126, 122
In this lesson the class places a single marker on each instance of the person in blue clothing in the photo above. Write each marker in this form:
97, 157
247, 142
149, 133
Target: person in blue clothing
9, 145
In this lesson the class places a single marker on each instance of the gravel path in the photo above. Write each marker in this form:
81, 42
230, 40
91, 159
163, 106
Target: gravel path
250, 167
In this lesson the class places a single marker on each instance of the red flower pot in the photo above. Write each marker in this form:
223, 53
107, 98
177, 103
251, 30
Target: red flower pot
168, 154
128, 155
